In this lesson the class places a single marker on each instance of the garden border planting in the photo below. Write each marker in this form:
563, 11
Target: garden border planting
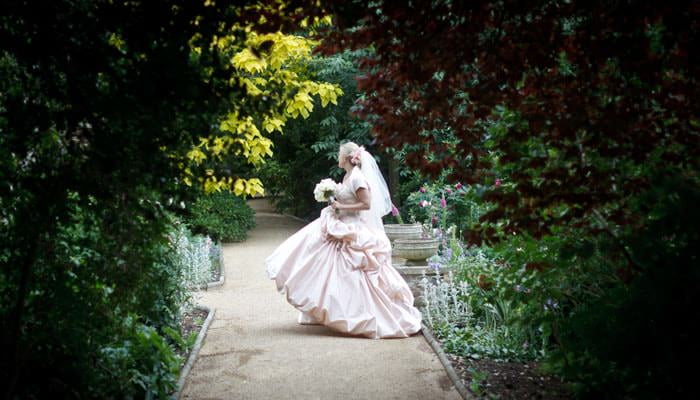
195, 349
220, 282
456, 380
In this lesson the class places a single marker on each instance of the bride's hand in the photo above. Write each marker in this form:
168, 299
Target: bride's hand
335, 205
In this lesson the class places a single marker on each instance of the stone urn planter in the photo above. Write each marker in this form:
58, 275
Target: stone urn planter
403, 231
416, 251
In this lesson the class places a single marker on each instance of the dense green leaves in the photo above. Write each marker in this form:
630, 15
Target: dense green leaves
597, 95
612, 313
584, 112
92, 93
223, 216
307, 152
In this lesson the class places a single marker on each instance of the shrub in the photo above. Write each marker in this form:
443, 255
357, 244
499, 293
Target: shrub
611, 313
222, 216
472, 315
443, 205
193, 256
139, 363
635, 336
98, 319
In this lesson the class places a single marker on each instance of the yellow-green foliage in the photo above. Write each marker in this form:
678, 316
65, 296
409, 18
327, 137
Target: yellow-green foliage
266, 65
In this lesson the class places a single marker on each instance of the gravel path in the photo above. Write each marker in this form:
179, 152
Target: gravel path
255, 349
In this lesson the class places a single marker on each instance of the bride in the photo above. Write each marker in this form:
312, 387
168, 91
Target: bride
337, 269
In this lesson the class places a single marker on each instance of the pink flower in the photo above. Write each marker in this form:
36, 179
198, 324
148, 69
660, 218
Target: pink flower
355, 156
498, 183
448, 190
422, 189
394, 210
434, 220
458, 185
443, 202
423, 203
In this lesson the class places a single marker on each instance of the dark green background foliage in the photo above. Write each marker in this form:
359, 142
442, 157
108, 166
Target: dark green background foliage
307, 151
89, 93
612, 312
594, 230
100, 301
585, 111
223, 216
638, 334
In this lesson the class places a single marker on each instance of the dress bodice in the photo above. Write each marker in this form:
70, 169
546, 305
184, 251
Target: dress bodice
347, 191
345, 194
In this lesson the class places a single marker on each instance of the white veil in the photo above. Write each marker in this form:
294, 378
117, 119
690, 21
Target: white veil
380, 200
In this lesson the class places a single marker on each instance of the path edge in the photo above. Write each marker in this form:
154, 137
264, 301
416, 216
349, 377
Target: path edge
220, 282
195, 350
270, 214
270, 202
296, 218
456, 380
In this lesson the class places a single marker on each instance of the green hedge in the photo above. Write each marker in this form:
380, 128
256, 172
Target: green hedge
223, 216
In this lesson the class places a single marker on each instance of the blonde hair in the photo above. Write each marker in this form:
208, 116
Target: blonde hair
347, 149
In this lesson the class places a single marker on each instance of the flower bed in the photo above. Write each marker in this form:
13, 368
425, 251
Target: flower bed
491, 359
503, 380
200, 256
190, 325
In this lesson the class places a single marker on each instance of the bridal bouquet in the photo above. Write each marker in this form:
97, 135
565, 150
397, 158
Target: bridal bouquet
324, 190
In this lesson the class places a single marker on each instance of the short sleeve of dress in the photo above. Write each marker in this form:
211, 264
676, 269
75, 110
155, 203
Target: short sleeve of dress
358, 180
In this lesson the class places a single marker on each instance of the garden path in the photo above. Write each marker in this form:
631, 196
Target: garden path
255, 349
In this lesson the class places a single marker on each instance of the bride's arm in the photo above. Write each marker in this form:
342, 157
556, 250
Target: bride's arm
363, 204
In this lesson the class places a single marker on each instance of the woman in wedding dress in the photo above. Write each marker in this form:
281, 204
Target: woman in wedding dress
337, 269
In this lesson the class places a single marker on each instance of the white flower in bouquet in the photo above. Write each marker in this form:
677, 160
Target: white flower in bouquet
324, 190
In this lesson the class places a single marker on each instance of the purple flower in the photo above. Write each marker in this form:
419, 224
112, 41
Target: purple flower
423, 203
498, 183
434, 220
394, 210
448, 190
443, 202
447, 255
458, 185
422, 189
435, 265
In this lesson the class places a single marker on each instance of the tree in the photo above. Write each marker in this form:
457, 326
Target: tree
308, 150
264, 69
100, 102
585, 112
601, 94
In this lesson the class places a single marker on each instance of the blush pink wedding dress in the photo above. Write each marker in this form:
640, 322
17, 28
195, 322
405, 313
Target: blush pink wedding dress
337, 272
